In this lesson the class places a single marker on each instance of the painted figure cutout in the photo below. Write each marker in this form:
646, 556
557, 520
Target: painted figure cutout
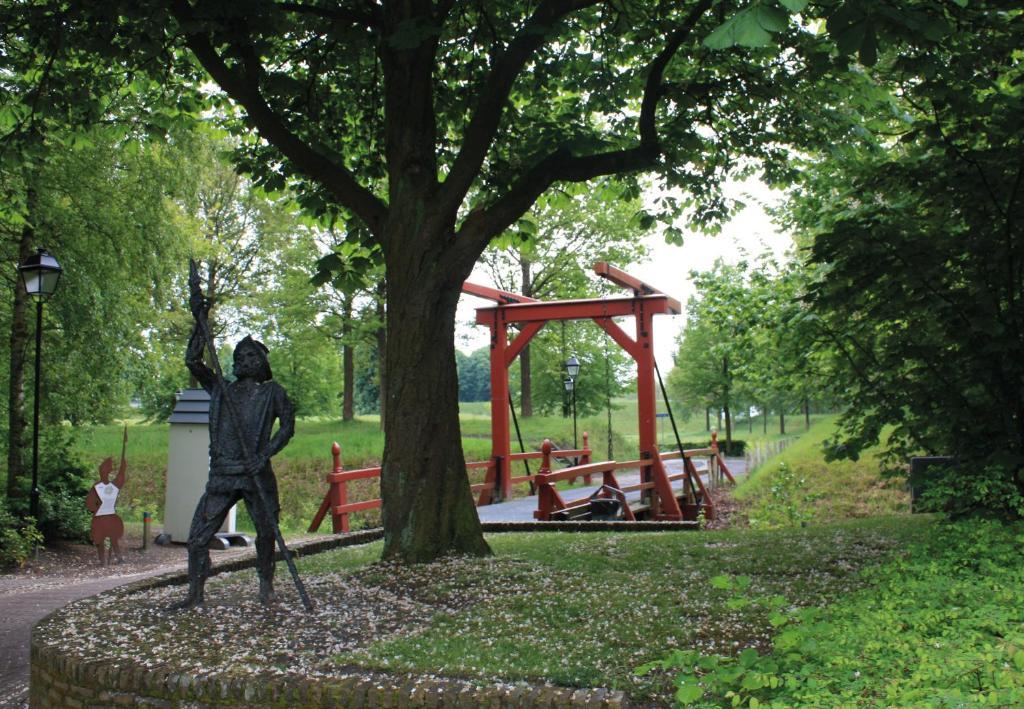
102, 501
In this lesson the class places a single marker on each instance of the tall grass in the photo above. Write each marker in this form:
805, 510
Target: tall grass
798, 485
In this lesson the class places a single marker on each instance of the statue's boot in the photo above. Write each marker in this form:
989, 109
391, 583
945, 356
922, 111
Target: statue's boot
194, 597
267, 595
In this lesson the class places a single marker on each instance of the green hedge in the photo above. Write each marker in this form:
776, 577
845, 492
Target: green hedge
737, 448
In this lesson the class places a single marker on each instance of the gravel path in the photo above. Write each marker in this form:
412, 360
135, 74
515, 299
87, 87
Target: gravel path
58, 577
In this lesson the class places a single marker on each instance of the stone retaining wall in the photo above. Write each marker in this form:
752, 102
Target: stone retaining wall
61, 681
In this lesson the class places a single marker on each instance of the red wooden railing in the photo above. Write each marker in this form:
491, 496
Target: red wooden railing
550, 502
336, 501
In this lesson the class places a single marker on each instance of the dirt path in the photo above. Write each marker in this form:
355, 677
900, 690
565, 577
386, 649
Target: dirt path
58, 576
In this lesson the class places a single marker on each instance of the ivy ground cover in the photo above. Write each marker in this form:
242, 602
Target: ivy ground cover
939, 625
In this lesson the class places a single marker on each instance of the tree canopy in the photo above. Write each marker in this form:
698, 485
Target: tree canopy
918, 247
437, 125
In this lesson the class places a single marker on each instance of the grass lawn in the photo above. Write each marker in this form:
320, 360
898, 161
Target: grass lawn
587, 609
572, 609
804, 608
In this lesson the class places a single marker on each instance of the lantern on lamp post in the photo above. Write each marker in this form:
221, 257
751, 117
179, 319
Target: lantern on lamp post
572, 368
40, 274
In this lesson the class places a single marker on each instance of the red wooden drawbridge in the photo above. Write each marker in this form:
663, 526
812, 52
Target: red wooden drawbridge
530, 316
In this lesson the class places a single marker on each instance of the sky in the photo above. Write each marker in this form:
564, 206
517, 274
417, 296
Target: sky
748, 234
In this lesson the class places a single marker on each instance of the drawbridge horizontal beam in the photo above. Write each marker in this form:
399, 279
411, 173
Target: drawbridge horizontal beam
498, 296
578, 309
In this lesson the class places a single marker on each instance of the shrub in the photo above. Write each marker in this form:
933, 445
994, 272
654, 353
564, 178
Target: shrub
63, 484
17, 539
738, 446
788, 503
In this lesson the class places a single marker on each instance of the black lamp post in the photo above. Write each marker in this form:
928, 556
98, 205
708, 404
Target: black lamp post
572, 368
40, 274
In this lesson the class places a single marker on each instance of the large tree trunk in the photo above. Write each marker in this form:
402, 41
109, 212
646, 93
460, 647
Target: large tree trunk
428, 509
526, 384
525, 377
16, 422
728, 430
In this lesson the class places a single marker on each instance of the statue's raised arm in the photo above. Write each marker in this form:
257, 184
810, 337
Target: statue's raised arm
200, 307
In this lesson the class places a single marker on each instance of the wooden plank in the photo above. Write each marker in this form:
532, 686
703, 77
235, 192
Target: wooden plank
530, 455
357, 506
623, 279
347, 475
576, 471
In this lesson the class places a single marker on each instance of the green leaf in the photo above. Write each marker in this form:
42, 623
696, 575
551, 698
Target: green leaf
771, 19
850, 38
724, 35
750, 33
936, 29
752, 681
689, 693
647, 668
794, 5
749, 657
787, 639
722, 582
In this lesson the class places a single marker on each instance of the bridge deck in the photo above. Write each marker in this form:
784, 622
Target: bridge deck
521, 509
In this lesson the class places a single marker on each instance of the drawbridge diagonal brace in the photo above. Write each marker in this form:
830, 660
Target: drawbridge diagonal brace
521, 341
619, 335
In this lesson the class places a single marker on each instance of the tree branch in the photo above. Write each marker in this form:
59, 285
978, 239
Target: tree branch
369, 17
484, 224
244, 88
653, 88
493, 96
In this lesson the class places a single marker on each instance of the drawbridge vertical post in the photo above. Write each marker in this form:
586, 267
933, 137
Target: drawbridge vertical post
663, 503
501, 444
646, 402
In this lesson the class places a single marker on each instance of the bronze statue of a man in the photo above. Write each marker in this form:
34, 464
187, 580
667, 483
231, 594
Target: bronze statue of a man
240, 452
